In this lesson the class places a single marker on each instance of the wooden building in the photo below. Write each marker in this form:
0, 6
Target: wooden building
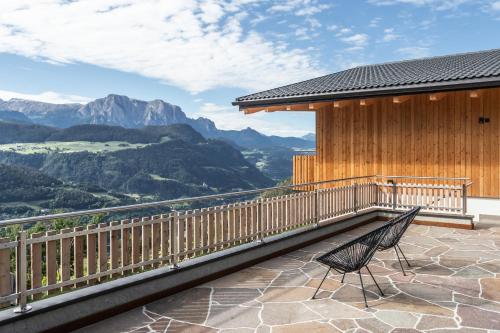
435, 117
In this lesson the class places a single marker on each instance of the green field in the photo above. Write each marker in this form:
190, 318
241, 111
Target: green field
69, 147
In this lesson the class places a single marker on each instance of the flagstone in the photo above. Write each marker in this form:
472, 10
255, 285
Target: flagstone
436, 251
374, 325
434, 269
473, 272
462, 285
333, 309
350, 293
286, 294
397, 318
491, 288
433, 322
263, 329
286, 313
190, 305
455, 262
247, 278
344, 324
492, 266
459, 330
476, 301
306, 327
229, 316
328, 284
425, 291
403, 302
178, 327
226, 296
478, 318
295, 278
237, 330
281, 264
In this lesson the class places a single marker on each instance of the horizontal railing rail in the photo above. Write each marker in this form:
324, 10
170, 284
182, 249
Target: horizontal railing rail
42, 264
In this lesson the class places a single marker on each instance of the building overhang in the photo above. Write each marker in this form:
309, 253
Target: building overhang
311, 102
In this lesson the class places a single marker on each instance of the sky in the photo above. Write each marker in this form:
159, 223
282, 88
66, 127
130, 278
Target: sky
202, 54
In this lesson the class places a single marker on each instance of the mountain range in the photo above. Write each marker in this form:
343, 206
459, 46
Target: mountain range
118, 110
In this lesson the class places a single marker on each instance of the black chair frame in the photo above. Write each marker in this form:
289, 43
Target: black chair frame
353, 256
399, 225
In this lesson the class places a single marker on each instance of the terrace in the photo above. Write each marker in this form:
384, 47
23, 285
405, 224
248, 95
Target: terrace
454, 285
214, 263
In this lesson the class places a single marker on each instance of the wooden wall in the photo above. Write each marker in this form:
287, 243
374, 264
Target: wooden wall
418, 137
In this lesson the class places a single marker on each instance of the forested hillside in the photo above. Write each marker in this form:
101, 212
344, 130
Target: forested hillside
183, 163
27, 191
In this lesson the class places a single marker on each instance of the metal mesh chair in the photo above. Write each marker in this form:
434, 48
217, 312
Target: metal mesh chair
396, 231
354, 255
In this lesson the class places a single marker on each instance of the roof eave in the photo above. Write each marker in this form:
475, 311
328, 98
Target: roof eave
375, 92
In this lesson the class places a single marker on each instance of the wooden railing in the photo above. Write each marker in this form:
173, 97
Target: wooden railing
59, 261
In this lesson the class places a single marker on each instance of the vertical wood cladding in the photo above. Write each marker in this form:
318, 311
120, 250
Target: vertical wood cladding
418, 136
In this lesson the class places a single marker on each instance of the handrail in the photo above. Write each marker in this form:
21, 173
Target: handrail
426, 178
45, 218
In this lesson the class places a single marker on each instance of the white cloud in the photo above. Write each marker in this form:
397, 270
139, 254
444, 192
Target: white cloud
193, 44
229, 118
374, 22
332, 27
434, 4
299, 7
414, 51
356, 40
47, 97
495, 6
302, 33
390, 35
343, 31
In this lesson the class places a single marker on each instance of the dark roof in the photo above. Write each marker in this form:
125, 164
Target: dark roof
459, 71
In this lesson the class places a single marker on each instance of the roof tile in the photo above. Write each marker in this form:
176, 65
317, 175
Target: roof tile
456, 67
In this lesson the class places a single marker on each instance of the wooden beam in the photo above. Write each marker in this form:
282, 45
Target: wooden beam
400, 99
474, 94
253, 110
436, 97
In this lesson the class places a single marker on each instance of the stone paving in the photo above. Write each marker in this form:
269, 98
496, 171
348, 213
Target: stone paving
454, 286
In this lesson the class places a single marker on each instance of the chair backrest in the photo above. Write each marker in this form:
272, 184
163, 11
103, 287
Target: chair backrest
398, 228
356, 253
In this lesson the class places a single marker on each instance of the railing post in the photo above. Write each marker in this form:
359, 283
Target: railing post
21, 268
174, 246
261, 220
464, 199
355, 198
394, 195
316, 207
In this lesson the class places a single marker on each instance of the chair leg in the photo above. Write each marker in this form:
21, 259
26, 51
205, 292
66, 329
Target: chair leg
374, 280
343, 276
328, 271
400, 264
362, 287
403, 255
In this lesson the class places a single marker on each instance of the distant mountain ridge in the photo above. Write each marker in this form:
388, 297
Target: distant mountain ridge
117, 110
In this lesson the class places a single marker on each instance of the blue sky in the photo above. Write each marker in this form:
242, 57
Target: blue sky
202, 54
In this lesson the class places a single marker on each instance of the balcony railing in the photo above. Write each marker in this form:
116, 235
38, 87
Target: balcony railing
59, 261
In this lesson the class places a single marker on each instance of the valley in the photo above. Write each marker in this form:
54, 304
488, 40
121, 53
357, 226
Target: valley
117, 150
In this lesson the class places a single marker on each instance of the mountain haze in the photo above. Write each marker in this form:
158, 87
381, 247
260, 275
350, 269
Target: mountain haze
118, 110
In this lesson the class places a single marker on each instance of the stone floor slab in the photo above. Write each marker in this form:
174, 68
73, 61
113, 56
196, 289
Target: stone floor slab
452, 286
